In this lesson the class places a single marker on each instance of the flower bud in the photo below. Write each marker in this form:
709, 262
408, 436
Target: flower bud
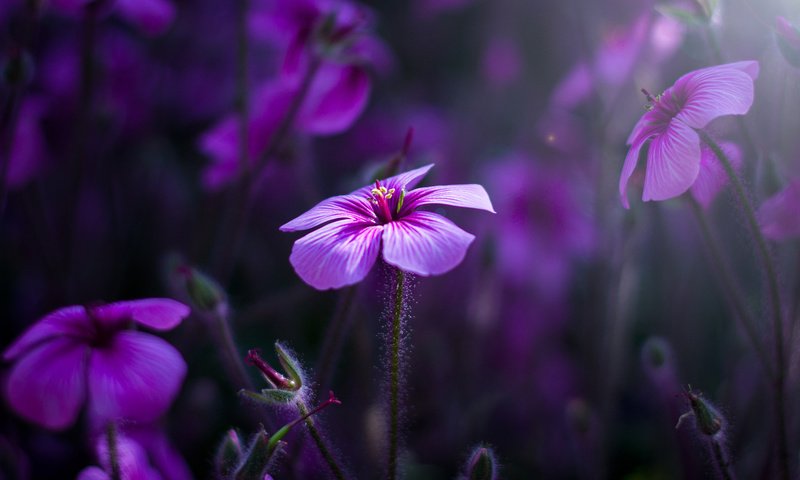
787, 36
482, 465
707, 418
229, 454
205, 293
257, 459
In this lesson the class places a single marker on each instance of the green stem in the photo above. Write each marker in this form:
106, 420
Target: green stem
722, 460
336, 470
729, 285
394, 376
113, 451
779, 379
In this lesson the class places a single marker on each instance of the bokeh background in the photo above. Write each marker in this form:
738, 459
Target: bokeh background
564, 338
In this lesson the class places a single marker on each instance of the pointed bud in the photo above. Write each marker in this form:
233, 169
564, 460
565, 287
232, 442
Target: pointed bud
290, 365
205, 293
708, 419
229, 454
481, 465
272, 376
258, 457
787, 36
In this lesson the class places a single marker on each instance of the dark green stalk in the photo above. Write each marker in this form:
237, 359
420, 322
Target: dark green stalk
113, 451
394, 376
779, 379
722, 460
336, 470
729, 285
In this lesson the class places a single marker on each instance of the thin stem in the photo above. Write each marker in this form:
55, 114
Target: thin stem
729, 285
336, 470
334, 338
394, 376
233, 361
113, 451
244, 201
722, 460
779, 378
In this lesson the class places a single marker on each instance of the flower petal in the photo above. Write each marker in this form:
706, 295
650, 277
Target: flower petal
93, 473
467, 196
131, 457
716, 91
135, 377
337, 98
340, 253
425, 243
673, 162
67, 321
712, 176
353, 207
48, 385
156, 313
631, 159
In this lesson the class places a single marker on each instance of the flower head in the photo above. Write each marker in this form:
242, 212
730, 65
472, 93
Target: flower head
342, 251
669, 126
87, 351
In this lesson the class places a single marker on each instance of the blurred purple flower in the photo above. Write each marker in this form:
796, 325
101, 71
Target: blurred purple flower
502, 62
355, 225
712, 176
152, 17
28, 152
133, 464
81, 351
779, 215
788, 37
674, 152
544, 225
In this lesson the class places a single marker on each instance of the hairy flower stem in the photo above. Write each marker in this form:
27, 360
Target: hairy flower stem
721, 459
243, 199
779, 379
336, 470
394, 375
113, 451
729, 285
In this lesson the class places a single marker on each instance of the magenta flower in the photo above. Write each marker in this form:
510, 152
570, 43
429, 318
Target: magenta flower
779, 215
354, 226
133, 464
87, 351
668, 129
712, 176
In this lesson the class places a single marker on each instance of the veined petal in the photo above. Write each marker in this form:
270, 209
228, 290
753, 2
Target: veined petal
714, 92
156, 313
424, 243
631, 159
712, 176
48, 385
467, 196
407, 180
673, 162
135, 377
68, 321
338, 254
355, 208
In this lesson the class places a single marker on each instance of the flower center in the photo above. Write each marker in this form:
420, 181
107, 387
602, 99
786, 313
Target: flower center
651, 100
380, 197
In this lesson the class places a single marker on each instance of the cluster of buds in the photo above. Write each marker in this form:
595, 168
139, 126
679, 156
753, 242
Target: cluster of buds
283, 389
233, 462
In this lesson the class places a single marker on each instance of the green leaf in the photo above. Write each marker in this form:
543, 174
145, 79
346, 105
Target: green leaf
270, 396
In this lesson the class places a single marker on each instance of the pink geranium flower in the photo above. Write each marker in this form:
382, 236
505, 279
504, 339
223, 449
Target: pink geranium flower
669, 127
82, 353
355, 226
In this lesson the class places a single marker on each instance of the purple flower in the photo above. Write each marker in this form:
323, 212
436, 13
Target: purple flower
354, 226
87, 351
668, 128
712, 176
133, 464
779, 215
